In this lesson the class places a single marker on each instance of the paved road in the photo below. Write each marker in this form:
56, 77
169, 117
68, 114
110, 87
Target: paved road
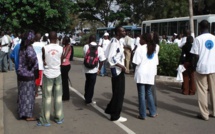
176, 111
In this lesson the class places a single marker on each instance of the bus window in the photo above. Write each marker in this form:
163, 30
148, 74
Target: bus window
163, 28
148, 29
143, 29
182, 25
155, 27
213, 28
172, 28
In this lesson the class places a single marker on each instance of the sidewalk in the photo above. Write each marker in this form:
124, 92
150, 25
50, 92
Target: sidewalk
1, 105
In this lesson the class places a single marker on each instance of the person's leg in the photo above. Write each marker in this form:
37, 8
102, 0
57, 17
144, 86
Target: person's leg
202, 90
102, 71
46, 100
127, 60
211, 86
154, 94
65, 81
185, 88
89, 87
1, 60
118, 96
58, 105
192, 83
10, 61
150, 100
142, 102
5, 63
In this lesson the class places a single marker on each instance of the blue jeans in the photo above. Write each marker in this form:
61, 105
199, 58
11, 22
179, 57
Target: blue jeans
103, 69
3, 61
145, 92
10, 61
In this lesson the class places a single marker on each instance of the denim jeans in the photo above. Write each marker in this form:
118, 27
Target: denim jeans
145, 93
103, 69
10, 61
3, 61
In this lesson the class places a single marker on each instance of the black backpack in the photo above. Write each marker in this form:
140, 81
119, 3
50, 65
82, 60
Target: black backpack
91, 58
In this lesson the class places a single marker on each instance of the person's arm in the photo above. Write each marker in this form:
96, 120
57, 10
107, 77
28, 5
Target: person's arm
67, 50
43, 56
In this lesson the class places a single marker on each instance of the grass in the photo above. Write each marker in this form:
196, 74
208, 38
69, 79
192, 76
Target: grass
78, 51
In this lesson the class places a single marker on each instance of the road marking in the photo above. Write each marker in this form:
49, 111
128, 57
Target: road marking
126, 129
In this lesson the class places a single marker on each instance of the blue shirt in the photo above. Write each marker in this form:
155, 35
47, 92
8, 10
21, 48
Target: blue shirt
15, 56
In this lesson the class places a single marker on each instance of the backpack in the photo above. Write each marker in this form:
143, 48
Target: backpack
91, 58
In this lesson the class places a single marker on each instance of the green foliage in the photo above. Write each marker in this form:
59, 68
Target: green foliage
169, 55
78, 51
39, 15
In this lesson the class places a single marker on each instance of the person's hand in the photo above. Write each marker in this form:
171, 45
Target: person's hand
98, 72
124, 69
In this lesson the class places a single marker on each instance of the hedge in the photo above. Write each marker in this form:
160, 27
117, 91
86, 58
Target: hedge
169, 55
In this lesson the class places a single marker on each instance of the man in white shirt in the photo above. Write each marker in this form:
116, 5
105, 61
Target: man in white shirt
104, 42
3, 54
37, 45
52, 83
91, 74
127, 52
116, 60
204, 57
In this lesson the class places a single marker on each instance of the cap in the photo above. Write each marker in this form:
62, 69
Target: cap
106, 34
46, 34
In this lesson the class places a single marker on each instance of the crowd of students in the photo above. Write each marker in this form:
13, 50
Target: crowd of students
47, 65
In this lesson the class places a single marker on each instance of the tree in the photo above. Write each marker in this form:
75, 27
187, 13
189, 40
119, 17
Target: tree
191, 16
40, 15
97, 10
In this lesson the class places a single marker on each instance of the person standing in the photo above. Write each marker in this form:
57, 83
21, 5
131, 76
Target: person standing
37, 45
188, 86
145, 59
52, 83
127, 52
91, 73
65, 67
3, 52
204, 57
27, 67
116, 60
104, 44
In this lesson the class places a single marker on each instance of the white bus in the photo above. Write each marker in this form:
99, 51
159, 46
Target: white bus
177, 25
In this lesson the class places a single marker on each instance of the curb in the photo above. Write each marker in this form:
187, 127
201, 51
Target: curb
158, 77
1, 105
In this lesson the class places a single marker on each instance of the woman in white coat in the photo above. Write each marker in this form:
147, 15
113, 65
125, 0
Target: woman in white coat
145, 59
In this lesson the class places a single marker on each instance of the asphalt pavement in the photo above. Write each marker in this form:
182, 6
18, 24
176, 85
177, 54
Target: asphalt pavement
176, 112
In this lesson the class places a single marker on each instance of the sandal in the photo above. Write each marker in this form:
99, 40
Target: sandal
141, 118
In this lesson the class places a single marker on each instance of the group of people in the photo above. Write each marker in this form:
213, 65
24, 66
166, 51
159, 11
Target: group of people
48, 65
42, 63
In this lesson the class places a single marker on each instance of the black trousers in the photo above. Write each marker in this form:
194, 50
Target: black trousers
114, 108
65, 81
89, 86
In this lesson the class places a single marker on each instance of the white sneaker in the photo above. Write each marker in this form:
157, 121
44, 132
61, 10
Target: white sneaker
121, 119
92, 103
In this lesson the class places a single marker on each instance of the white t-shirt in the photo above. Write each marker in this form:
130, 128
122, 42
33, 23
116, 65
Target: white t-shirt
101, 56
38, 49
104, 44
204, 46
4, 41
177, 41
116, 56
146, 68
53, 53
137, 41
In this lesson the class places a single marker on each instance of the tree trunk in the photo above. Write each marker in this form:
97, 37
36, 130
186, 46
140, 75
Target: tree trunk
191, 16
